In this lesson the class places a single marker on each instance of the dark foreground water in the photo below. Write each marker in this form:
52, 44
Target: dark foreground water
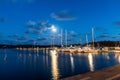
43, 65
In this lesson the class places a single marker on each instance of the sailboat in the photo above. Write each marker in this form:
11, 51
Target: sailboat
88, 49
70, 49
53, 49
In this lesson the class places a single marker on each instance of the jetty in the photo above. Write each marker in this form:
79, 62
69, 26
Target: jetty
110, 73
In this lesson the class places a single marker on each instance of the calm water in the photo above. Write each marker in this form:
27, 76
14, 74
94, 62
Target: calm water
42, 65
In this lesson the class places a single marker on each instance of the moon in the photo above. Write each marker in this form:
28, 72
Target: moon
53, 28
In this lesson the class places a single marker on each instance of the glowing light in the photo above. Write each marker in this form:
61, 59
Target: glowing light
53, 28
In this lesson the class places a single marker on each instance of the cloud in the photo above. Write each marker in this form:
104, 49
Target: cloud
105, 33
38, 26
17, 37
63, 15
114, 37
59, 35
41, 39
43, 22
117, 23
118, 33
103, 36
31, 24
21, 38
72, 34
100, 29
2, 20
20, 1
13, 36
33, 31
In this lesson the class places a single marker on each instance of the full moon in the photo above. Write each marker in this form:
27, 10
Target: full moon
53, 28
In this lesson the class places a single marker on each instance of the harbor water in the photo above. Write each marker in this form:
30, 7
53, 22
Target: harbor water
44, 65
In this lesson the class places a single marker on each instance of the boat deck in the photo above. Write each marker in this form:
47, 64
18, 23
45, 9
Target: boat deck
110, 73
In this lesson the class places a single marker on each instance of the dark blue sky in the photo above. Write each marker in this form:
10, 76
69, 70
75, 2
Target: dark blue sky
25, 21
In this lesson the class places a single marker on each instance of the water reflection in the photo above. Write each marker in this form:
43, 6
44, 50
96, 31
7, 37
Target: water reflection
46, 51
90, 61
72, 62
54, 65
46, 66
20, 55
37, 54
106, 55
47, 60
117, 56
24, 59
5, 57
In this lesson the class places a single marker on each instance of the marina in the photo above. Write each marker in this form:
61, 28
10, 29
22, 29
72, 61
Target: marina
59, 40
77, 49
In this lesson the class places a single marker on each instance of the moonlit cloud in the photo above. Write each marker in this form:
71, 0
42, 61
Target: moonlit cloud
43, 22
31, 24
59, 35
63, 15
38, 27
72, 34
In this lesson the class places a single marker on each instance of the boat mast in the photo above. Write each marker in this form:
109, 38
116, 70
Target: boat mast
87, 40
66, 37
93, 36
51, 42
34, 44
80, 42
61, 38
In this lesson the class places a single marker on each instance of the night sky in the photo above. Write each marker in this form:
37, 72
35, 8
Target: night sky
31, 21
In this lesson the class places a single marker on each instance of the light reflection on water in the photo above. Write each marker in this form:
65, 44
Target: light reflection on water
90, 60
43, 65
72, 62
54, 66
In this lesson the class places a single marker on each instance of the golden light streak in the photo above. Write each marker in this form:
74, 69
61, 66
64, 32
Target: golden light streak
54, 65
90, 60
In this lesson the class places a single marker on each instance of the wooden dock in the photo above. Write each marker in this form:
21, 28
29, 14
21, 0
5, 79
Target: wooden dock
110, 73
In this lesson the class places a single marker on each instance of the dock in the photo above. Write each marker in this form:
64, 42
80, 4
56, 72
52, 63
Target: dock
110, 73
